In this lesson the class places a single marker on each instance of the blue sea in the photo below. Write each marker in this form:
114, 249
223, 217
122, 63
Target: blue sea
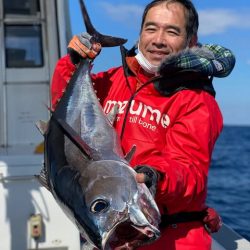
229, 178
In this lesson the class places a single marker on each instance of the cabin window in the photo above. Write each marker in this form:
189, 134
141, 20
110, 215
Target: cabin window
21, 7
23, 45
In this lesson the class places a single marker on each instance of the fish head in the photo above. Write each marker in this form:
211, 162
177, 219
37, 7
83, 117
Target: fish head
119, 211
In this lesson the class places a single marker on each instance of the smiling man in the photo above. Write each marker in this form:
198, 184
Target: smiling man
167, 109
164, 31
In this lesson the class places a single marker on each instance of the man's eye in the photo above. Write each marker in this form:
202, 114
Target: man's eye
150, 29
173, 32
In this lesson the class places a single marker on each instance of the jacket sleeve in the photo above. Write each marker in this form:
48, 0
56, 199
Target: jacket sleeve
62, 74
185, 159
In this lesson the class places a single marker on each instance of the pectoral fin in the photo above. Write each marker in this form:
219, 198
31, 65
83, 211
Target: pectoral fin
76, 139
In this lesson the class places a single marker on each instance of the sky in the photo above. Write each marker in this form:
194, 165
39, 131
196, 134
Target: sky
222, 22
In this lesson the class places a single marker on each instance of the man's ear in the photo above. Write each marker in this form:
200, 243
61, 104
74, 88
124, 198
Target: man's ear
193, 41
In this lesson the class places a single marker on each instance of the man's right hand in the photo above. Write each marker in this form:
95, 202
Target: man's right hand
82, 46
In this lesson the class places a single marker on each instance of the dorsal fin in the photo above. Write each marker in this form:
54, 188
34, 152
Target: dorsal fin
112, 114
42, 126
130, 154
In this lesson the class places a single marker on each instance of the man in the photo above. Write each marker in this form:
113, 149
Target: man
167, 109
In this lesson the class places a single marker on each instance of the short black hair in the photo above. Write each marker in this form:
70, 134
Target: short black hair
192, 19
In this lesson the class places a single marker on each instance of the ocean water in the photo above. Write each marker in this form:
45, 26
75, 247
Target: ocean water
229, 178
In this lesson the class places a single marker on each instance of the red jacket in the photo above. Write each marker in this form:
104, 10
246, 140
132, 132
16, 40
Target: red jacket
174, 134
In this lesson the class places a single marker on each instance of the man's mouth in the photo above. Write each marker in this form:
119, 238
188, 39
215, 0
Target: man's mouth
158, 52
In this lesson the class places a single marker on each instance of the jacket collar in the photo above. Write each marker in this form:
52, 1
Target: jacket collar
133, 68
169, 84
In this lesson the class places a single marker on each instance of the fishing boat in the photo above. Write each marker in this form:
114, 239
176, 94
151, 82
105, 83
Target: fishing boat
228, 239
34, 34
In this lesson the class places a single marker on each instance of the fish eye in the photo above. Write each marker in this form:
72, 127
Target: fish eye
99, 206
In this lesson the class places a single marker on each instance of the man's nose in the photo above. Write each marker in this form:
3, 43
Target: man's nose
160, 39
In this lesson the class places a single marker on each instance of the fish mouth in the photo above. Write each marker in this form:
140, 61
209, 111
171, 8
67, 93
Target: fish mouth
126, 235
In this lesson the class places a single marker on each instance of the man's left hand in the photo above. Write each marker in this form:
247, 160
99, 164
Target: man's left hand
147, 175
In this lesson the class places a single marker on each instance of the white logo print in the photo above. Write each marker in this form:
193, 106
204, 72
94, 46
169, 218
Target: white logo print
140, 110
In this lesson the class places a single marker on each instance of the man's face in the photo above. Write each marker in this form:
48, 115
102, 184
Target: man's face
163, 32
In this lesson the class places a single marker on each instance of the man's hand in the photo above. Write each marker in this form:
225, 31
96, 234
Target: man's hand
140, 178
147, 175
83, 46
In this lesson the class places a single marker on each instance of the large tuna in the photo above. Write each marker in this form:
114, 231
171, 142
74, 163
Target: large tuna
87, 173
